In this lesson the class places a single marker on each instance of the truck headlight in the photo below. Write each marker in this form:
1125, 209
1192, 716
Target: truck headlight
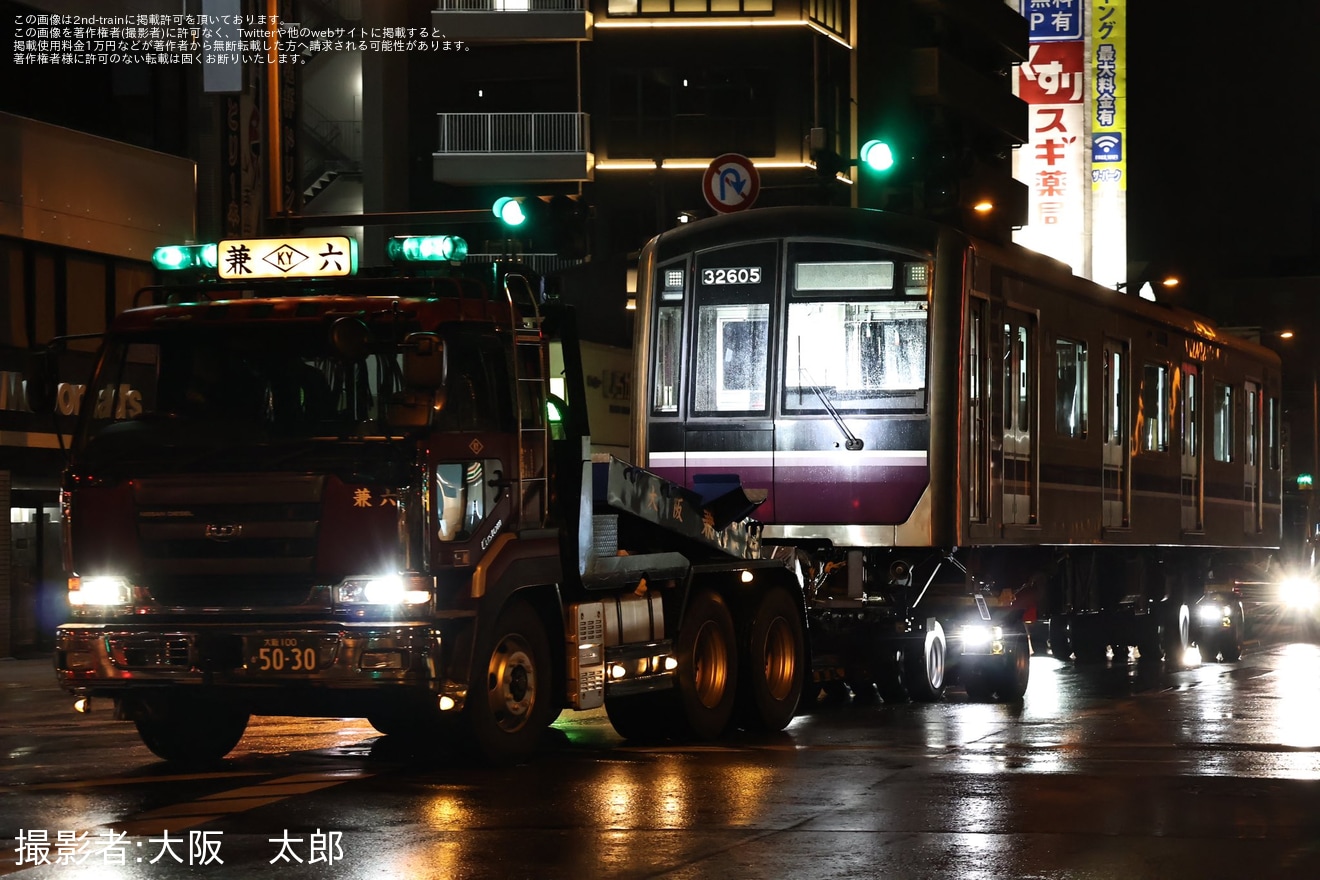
1213, 612
1299, 592
388, 589
102, 590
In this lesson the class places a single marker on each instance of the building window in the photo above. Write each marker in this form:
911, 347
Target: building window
1070, 417
691, 111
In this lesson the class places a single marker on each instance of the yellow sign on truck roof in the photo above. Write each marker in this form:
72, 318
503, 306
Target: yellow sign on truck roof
323, 256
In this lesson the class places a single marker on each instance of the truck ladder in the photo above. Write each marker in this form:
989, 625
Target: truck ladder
530, 371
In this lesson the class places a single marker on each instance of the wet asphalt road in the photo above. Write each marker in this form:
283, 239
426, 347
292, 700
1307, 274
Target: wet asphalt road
1124, 770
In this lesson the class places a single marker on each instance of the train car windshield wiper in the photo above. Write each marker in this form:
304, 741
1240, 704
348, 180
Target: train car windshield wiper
851, 440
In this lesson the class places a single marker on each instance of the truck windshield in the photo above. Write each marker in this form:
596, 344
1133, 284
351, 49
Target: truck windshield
275, 383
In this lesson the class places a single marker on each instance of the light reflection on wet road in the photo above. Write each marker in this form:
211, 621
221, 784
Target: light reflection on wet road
1118, 770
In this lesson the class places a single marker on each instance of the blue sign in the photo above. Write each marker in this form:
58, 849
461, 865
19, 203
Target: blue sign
1107, 147
1052, 20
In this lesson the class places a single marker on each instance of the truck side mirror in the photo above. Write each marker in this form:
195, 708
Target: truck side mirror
40, 380
349, 337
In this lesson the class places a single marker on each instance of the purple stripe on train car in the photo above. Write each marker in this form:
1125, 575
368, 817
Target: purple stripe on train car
848, 488
806, 487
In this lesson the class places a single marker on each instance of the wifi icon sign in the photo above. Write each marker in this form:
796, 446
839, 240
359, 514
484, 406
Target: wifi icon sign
1107, 147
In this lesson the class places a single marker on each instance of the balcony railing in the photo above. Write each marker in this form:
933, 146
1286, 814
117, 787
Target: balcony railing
514, 132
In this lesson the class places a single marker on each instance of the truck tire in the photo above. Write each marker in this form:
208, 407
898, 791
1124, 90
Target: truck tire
772, 664
189, 731
707, 678
641, 717
924, 670
510, 700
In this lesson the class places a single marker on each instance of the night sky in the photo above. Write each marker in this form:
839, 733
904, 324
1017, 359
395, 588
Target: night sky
1224, 137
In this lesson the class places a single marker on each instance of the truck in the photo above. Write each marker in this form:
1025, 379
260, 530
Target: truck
354, 494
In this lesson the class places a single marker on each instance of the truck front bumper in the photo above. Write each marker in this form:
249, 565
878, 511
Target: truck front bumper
311, 669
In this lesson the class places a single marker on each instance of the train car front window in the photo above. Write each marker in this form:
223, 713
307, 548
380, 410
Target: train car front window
856, 335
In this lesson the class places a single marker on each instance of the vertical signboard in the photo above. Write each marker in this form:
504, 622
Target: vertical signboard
1109, 141
1053, 163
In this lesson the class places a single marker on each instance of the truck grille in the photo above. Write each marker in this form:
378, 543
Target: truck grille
250, 538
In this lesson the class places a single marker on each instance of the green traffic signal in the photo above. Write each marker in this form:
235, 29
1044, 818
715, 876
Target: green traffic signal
877, 155
510, 211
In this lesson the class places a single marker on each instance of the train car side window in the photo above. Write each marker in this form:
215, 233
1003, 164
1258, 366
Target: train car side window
1070, 413
1153, 415
1222, 430
1272, 432
668, 338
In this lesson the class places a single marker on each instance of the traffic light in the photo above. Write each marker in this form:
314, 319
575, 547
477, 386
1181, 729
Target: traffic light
568, 222
933, 77
877, 155
510, 211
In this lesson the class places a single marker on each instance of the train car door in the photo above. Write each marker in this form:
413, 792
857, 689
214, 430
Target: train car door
1020, 485
1117, 438
1253, 517
729, 429
1189, 423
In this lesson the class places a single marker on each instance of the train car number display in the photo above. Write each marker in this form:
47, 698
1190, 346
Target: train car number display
282, 654
732, 275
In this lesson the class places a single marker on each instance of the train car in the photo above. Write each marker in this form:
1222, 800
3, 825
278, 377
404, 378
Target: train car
951, 439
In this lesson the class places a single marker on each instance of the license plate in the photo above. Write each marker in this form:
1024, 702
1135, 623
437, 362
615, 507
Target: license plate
283, 654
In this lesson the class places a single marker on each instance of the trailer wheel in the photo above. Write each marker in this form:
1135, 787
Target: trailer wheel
1005, 675
510, 701
1177, 634
707, 667
1059, 640
1014, 672
772, 664
978, 679
924, 670
190, 731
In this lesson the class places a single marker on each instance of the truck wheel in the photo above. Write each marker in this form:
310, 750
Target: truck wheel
641, 717
923, 671
772, 664
190, 731
510, 701
707, 667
